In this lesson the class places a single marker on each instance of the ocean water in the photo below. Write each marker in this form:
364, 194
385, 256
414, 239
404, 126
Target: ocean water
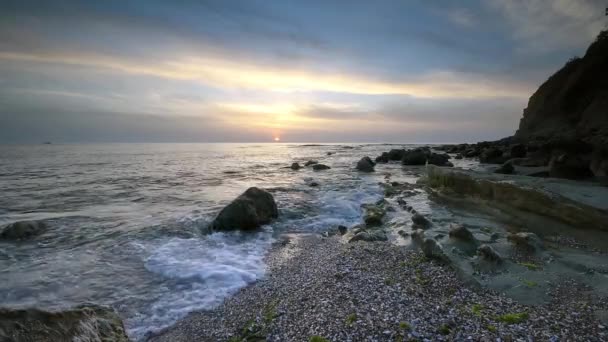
127, 221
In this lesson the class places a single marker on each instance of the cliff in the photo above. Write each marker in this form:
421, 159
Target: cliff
572, 105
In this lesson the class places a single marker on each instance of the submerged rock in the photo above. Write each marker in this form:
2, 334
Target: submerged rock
459, 231
22, 230
488, 254
248, 211
420, 221
319, 167
83, 323
526, 240
311, 162
295, 166
365, 165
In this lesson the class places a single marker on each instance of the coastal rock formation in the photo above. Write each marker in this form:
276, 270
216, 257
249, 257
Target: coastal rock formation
569, 166
248, 211
459, 231
22, 230
311, 162
488, 254
83, 323
383, 158
319, 167
365, 164
573, 103
396, 154
414, 157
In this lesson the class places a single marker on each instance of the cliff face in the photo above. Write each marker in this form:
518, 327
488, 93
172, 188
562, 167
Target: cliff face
573, 103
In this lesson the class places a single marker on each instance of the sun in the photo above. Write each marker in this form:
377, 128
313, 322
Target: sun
277, 139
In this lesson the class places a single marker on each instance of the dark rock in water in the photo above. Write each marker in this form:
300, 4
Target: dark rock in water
311, 162
84, 323
22, 230
458, 156
492, 155
313, 184
518, 151
329, 153
487, 253
414, 157
420, 221
572, 103
506, 168
439, 159
459, 231
472, 153
365, 165
432, 249
526, 240
569, 166
382, 158
295, 166
248, 211
402, 233
319, 167
342, 230
396, 154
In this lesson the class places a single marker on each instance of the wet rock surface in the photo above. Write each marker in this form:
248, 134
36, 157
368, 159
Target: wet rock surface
248, 211
22, 230
320, 167
365, 164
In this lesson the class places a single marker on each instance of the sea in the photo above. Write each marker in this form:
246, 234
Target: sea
128, 222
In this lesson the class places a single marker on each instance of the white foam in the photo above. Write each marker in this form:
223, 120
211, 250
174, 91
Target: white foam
199, 274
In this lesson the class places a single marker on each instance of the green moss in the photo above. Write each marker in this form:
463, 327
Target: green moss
513, 318
530, 266
421, 278
405, 326
350, 319
529, 283
477, 309
444, 329
491, 328
317, 338
270, 312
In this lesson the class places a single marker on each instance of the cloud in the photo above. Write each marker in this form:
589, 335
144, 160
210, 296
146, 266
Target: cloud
548, 25
462, 17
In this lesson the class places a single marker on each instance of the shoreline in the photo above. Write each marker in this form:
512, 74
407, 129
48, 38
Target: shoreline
376, 291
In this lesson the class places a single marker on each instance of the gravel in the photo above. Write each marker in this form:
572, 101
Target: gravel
376, 291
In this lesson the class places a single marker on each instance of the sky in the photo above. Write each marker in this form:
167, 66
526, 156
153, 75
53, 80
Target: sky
414, 71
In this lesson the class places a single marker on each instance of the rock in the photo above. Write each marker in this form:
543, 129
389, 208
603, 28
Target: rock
373, 215
420, 221
382, 158
487, 253
319, 167
529, 162
432, 249
396, 154
83, 323
22, 230
518, 151
459, 231
414, 157
329, 153
572, 102
365, 165
526, 240
492, 155
599, 167
402, 233
569, 166
472, 153
418, 236
313, 184
248, 211
369, 236
458, 156
506, 168
311, 162
295, 166
439, 159
342, 230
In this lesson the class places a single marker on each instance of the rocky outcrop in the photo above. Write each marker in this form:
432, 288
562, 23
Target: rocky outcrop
311, 162
396, 154
83, 323
572, 105
420, 221
248, 211
295, 166
526, 240
414, 157
365, 164
319, 167
459, 231
22, 230
488, 254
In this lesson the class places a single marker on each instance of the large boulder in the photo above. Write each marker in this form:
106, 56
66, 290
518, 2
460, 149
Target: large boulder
439, 159
248, 211
432, 249
319, 167
396, 154
414, 157
22, 230
84, 323
569, 166
459, 231
383, 158
365, 165
488, 254
420, 221
492, 155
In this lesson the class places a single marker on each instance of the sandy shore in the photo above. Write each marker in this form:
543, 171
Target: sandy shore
381, 292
